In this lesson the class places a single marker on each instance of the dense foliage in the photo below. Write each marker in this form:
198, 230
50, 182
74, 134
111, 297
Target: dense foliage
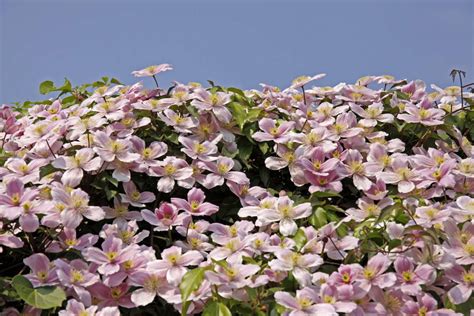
352, 199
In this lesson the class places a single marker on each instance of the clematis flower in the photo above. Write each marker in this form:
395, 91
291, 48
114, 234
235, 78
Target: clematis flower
110, 257
76, 308
196, 150
356, 168
164, 217
221, 171
285, 213
75, 207
298, 264
120, 211
148, 154
195, 204
174, 262
304, 304
372, 115
134, 197
401, 175
152, 70
234, 275
303, 80
374, 273
75, 275
75, 166
279, 133
464, 283
410, 278
215, 102
128, 232
9, 240
43, 272
21, 170
422, 115
151, 283
114, 296
67, 240
109, 149
426, 305
180, 123
172, 170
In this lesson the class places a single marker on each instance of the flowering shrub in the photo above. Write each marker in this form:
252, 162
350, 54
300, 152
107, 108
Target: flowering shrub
325, 200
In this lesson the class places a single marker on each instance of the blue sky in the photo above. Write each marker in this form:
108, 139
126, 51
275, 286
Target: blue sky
239, 43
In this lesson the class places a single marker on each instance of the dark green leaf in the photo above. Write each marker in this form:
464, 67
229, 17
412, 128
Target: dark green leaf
46, 87
44, 297
216, 309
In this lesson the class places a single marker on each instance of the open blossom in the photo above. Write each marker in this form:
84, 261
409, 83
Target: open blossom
372, 114
422, 115
135, 197
75, 307
121, 211
401, 175
76, 206
83, 160
221, 170
43, 272
195, 149
410, 278
215, 102
152, 70
285, 213
464, 279
234, 275
273, 131
109, 257
306, 303
174, 262
195, 204
76, 276
67, 239
299, 264
374, 274
110, 149
170, 171
164, 217
150, 283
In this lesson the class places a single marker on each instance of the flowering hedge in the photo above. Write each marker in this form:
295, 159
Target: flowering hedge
350, 199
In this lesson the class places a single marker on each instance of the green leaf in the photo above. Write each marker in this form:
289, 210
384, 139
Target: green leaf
43, 297
300, 239
238, 113
46, 170
190, 283
46, 87
216, 309
319, 218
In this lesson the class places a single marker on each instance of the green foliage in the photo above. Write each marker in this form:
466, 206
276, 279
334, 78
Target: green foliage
43, 297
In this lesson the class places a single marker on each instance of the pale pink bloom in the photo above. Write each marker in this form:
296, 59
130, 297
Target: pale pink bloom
221, 170
336, 247
151, 283
428, 216
9, 240
174, 262
353, 163
330, 182
135, 197
222, 233
422, 115
367, 208
371, 115
152, 70
316, 137
170, 170
235, 275
425, 305
150, 153
196, 241
112, 109
303, 80
377, 191
318, 164
215, 102
111, 149
325, 115
111, 296
181, 124
195, 149
120, 211
16, 197
128, 232
268, 203
409, 278
401, 175
378, 159
304, 304
231, 248
299, 264
67, 240
110, 257
128, 123
43, 272
462, 291
374, 273
195, 204
274, 131
442, 176
76, 206
345, 127
79, 126
83, 160
285, 213
75, 308
331, 295
466, 205
26, 172
164, 217
76, 277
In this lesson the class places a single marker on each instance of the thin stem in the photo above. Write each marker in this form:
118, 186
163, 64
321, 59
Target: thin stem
156, 81
335, 246
47, 143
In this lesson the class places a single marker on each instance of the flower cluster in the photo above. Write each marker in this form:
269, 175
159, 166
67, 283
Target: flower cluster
353, 199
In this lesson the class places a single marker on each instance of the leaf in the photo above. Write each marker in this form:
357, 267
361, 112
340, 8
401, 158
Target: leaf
300, 239
46, 87
46, 170
238, 113
319, 218
190, 283
43, 297
216, 309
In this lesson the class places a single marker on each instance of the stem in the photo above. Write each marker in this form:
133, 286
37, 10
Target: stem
304, 100
156, 82
3, 140
47, 143
336, 247
460, 85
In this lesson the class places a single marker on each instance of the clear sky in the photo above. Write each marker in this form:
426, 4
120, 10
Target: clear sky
240, 43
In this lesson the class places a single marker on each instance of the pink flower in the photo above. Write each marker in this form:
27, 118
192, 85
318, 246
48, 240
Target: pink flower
182, 124
134, 197
215, 102
371, 115
164, 217
203, 151
43, 272
170, 170
120, 211
303, 80
221, 170
195, 204
234, 275
75, 206
401, 175
152, 70
75, 308
151, 283
175, 263
110, 257
374, 273
465, 283
76, 277
422, 115
279, 133
426, 305
299, 264
26, 172
409, 279
109, 149
150, 153
67, 240
111, 296
75, 166
353, 163
428, 216
305, 303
